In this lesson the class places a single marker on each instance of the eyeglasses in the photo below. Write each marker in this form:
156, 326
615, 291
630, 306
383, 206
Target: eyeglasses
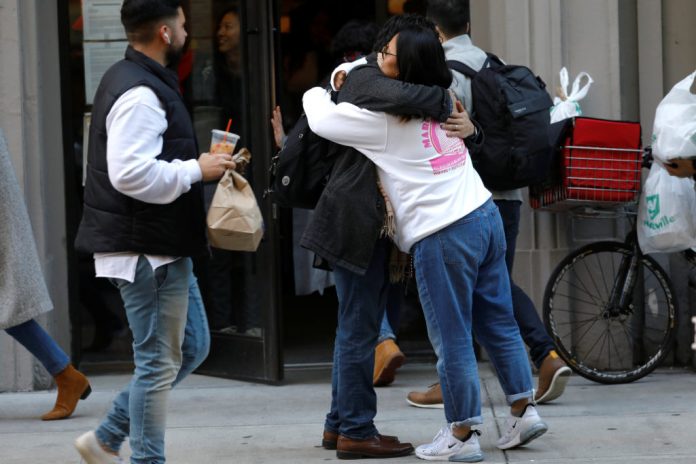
387, 52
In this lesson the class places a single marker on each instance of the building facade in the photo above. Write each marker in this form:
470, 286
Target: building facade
635, 50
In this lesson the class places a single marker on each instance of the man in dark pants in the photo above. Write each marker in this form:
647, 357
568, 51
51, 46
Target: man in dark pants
345, 230
452, 20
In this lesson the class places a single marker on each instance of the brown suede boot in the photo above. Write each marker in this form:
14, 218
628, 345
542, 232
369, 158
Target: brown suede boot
553, 377
388, 358
72, 386
428, 399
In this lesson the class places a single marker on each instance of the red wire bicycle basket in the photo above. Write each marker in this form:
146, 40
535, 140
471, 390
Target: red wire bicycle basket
599, 162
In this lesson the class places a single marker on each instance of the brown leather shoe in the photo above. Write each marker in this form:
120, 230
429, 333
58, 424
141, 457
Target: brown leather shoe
553, 377
374, 447
329, 439
429, 399
72, 387
388, 358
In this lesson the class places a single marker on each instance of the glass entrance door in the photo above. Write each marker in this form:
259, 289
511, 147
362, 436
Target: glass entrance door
229, 83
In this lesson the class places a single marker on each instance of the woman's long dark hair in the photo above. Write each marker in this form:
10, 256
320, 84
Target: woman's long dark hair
421, 59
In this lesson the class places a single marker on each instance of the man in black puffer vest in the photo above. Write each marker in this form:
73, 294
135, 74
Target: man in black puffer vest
143, 220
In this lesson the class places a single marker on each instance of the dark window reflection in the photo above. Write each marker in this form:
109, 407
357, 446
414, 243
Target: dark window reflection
213, 80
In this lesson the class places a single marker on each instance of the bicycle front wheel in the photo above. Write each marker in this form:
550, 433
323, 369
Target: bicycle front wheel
603, 343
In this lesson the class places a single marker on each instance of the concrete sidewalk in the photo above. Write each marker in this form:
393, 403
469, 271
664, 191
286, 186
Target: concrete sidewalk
223, 421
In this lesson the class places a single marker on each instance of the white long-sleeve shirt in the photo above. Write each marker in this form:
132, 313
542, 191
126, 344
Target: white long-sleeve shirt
428, 177
134, 126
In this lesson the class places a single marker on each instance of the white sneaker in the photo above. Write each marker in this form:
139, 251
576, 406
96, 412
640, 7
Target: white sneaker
521, 430
91, 451
446, 447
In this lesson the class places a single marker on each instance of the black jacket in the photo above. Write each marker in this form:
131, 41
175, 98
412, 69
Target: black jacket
114, 222
350, 213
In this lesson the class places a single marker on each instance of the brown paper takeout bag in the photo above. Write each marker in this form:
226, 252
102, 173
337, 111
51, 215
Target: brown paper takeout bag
234, 219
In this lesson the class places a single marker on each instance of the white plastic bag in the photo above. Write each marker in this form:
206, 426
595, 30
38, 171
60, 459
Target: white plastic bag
674, 132
666, 213
564, 105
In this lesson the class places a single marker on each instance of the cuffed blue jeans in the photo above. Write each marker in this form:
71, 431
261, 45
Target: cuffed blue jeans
464, 288
532, 329
361, 301
170, 339
40, 344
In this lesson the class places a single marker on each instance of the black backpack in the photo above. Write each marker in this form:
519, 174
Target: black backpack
299, 171
512, 106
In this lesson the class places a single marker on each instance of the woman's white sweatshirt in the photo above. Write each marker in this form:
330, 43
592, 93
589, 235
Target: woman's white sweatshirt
429, 177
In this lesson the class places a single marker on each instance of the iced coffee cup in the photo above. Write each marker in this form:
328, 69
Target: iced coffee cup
223, 142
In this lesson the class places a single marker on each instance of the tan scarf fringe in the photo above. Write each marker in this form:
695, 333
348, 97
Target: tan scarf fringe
389, 226
400, 263
400, 266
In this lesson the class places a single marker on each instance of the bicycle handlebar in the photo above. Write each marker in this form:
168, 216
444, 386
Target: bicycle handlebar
647, 157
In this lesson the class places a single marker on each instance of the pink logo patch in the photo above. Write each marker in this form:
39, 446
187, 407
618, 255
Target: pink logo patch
452, 150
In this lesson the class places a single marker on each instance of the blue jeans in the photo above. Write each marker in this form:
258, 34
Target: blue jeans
392, 312
361, 301
170, 339
532, 329
464, 287
385, 330
41, 345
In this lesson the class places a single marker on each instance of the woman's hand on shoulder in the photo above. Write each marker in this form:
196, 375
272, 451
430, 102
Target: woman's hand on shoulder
459, 124
339, 80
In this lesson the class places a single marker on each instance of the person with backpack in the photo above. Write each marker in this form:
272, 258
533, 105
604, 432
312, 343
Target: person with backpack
452, 20
445, 218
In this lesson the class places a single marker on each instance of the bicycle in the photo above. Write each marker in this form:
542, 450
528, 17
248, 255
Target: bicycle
607, 327
609, 308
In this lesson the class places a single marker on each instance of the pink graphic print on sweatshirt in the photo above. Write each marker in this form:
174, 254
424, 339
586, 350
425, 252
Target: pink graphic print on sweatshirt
452, 150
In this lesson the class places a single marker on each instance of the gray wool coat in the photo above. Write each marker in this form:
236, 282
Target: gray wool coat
23, 292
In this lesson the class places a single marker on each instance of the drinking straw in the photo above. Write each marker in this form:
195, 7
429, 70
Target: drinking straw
227, 129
